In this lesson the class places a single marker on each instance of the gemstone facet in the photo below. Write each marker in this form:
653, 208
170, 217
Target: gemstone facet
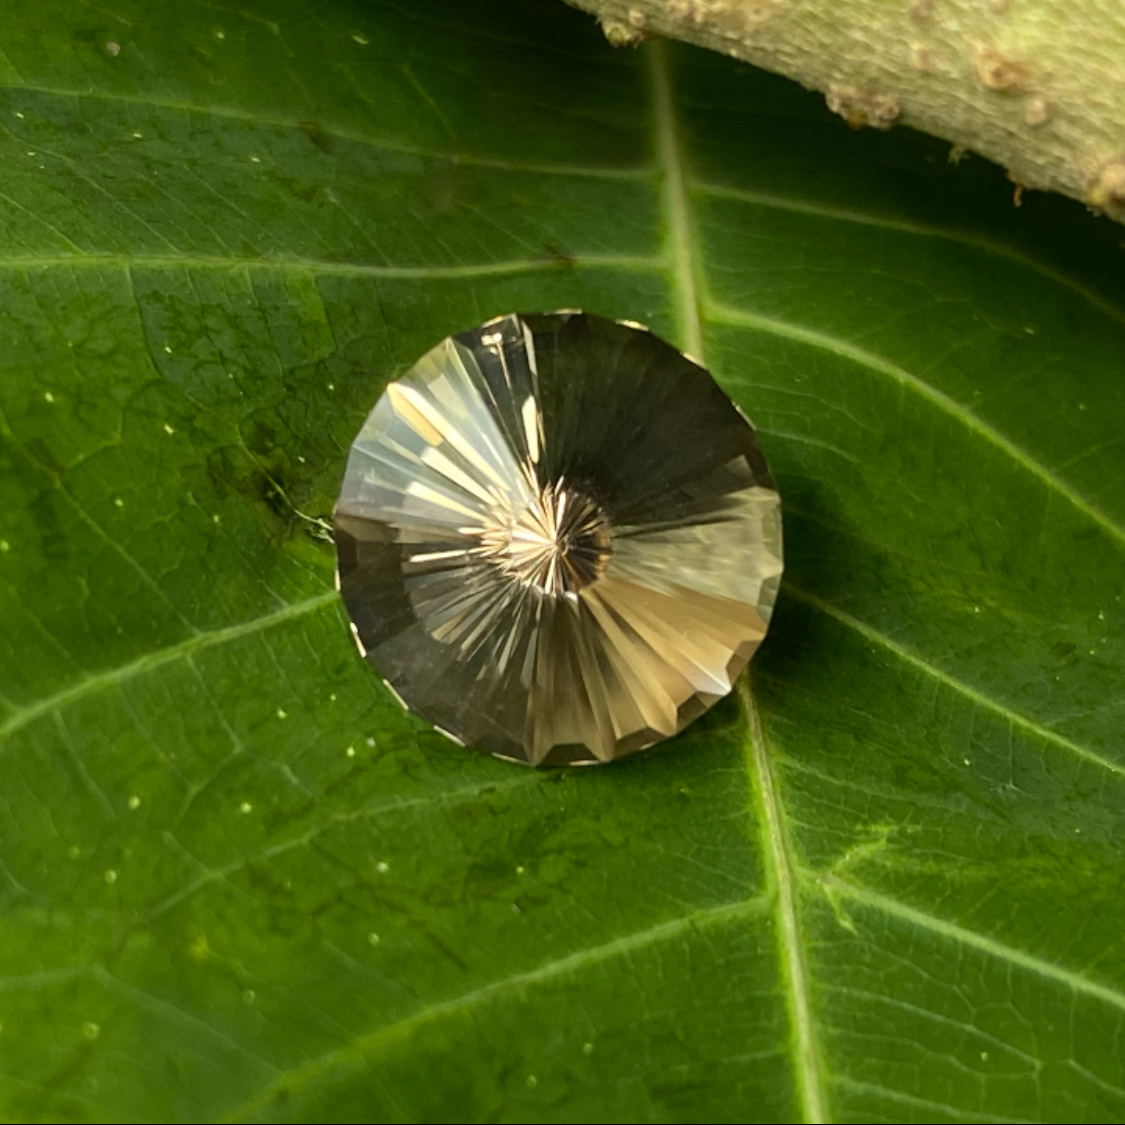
558, 540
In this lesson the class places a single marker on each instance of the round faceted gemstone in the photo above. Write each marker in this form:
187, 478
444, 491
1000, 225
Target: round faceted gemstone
557, 538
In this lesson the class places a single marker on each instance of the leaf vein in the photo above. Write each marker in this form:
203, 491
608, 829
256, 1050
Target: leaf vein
921, 230
725, 314
382, 144
1029, 962
467, 1003
686, 287
677, 217
101, 681
956, 1112
315, 266
775, 849
959, 686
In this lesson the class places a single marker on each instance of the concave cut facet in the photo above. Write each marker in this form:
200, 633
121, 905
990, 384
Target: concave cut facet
558, 539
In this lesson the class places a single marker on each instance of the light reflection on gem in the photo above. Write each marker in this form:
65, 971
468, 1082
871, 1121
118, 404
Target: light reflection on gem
558, 540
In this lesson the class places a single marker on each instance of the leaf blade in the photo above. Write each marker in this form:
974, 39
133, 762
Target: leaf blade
238, 882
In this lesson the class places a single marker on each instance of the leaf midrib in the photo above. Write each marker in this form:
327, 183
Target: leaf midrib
767, 812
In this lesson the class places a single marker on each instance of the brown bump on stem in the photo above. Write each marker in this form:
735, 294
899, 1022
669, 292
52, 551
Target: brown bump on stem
1107, 191
1037, 110
921, 10
729, 18
620, 33
859, 106
996, 71
921, 58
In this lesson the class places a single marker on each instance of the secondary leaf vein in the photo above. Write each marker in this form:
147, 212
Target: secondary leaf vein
921, 230
102, 681
383, 144
468, 271
978, 697
726, 314
990, 946
370, 1044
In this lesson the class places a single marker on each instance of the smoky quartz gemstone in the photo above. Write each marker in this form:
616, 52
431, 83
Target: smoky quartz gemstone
558, 540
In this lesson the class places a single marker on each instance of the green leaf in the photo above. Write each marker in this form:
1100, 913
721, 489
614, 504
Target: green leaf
238, 883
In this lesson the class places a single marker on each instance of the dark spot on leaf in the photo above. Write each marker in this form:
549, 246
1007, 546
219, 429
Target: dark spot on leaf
306, 193
491, 878
272, 495
471, 812
560, 258
230, 471
52, 525
43, 456
446, 950
317, 134
682, 1095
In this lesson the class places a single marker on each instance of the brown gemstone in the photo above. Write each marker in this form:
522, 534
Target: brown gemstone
558, 540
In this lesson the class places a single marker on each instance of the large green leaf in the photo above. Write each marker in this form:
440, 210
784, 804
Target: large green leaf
238, 883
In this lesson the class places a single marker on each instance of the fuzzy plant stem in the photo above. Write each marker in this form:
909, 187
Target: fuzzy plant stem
1036, 85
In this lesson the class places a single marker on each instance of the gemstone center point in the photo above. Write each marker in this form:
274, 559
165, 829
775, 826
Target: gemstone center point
558, 542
